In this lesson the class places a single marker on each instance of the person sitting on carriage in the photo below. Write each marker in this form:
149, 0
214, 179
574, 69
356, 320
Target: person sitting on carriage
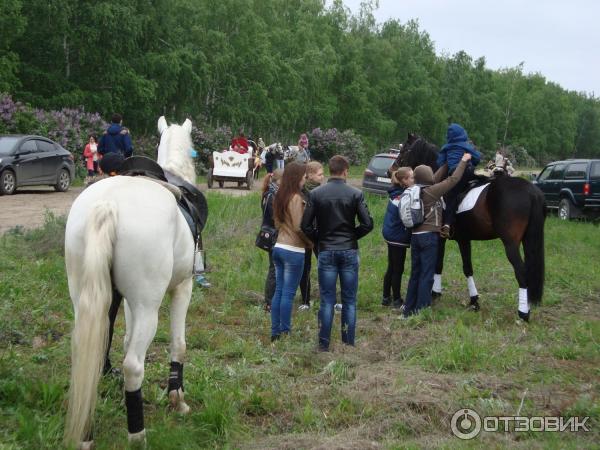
240, 143
502, 164
457, 145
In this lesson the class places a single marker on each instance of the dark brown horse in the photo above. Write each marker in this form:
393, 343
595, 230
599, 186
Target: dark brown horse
509, 209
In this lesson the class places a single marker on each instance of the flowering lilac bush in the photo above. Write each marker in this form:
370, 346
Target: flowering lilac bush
70, 127
207, 140
325, 144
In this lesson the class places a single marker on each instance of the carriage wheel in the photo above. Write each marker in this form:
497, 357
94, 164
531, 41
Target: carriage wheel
250, 179
209, 178
221, 184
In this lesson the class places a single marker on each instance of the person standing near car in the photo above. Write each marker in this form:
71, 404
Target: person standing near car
329, 220
90, 153
116, 139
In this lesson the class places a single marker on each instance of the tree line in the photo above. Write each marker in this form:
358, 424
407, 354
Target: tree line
278, 68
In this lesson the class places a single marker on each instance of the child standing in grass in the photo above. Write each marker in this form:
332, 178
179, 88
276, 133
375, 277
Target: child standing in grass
424, 239
397, 237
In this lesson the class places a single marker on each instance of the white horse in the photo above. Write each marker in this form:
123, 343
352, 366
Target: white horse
128, 232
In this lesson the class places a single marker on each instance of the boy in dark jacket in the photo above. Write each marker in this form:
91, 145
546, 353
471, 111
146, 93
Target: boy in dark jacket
116, 139
458, 144
424, 239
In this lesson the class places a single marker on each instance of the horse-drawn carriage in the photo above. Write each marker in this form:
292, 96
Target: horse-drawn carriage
230, 165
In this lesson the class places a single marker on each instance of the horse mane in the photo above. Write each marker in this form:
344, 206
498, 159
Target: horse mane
418, 153
177, 160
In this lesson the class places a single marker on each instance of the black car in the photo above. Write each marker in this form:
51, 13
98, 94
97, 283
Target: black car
571, 186
375, 178
33, 160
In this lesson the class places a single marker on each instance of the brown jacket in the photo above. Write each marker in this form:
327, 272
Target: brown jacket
289, 229
433, 190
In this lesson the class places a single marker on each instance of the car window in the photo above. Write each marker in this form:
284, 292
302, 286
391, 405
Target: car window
557, 172
576, 171
45, 146
542, 176
595, 172
28, 147
7, 143
381, 163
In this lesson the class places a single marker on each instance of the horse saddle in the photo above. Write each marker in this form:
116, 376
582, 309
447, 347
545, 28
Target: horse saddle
191, 202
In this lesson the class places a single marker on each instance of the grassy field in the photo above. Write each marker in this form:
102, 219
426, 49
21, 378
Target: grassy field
397, 389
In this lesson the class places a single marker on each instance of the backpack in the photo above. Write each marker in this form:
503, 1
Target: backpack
411, 208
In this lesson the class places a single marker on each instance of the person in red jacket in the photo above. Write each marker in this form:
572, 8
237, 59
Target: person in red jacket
240, 143
91, 156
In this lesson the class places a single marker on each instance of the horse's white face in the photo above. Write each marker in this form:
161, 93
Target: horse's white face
174, 150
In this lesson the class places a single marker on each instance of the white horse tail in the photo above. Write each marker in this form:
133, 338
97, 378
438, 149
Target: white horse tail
90, 333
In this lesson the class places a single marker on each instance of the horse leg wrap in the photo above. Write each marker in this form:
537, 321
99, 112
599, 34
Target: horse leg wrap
175, 376
135, 411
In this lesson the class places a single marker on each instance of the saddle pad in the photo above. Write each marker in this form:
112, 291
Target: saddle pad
471, 198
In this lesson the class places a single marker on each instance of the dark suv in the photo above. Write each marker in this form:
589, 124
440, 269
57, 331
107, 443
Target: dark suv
572, 186
375, 178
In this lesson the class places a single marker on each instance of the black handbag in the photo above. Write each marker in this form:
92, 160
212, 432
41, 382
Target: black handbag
266, 238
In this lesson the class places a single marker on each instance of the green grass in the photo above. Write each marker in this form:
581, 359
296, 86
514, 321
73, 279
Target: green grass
399, 387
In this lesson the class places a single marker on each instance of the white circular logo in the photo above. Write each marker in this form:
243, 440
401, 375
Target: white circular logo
465, 424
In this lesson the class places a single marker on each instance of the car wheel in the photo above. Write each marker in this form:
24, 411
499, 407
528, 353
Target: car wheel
565, 209
250, 179
8, 183
64, 181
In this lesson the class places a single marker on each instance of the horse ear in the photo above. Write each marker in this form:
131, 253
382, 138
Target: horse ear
162, 124
187, 125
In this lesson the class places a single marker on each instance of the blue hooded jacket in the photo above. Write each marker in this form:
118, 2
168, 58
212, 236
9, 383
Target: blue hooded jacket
394, 231
458, 144
116, 140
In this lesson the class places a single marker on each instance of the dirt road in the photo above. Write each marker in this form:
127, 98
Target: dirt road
28, 206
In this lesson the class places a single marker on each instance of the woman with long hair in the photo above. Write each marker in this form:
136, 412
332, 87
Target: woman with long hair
288, 253
270, 186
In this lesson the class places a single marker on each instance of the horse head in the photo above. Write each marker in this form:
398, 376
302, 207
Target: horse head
175, 150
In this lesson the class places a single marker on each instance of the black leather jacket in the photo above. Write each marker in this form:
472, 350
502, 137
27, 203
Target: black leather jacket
334, 208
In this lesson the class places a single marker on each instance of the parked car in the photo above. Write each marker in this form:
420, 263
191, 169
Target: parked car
375, 178
27, 160
572, 187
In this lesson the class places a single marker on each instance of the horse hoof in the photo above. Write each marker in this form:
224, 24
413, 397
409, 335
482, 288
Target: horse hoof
523, 316
137, 440
474, 304
177, 402
435, 295
86, 445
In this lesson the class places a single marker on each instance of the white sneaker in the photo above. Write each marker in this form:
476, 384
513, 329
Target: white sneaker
338, 306
303, 307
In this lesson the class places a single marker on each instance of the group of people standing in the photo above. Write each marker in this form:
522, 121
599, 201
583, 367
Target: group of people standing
456, 162
105, 155
314, 217
329, 219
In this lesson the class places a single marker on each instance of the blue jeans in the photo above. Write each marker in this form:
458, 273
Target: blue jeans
334, 263
288, 271
423, 250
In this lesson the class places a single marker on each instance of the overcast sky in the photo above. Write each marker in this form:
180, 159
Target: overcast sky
558, 38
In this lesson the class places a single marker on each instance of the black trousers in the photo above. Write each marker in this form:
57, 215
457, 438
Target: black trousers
270, 281
305, 280
393, 276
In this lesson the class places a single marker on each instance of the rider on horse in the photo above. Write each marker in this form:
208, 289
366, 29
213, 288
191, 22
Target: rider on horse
458, 144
